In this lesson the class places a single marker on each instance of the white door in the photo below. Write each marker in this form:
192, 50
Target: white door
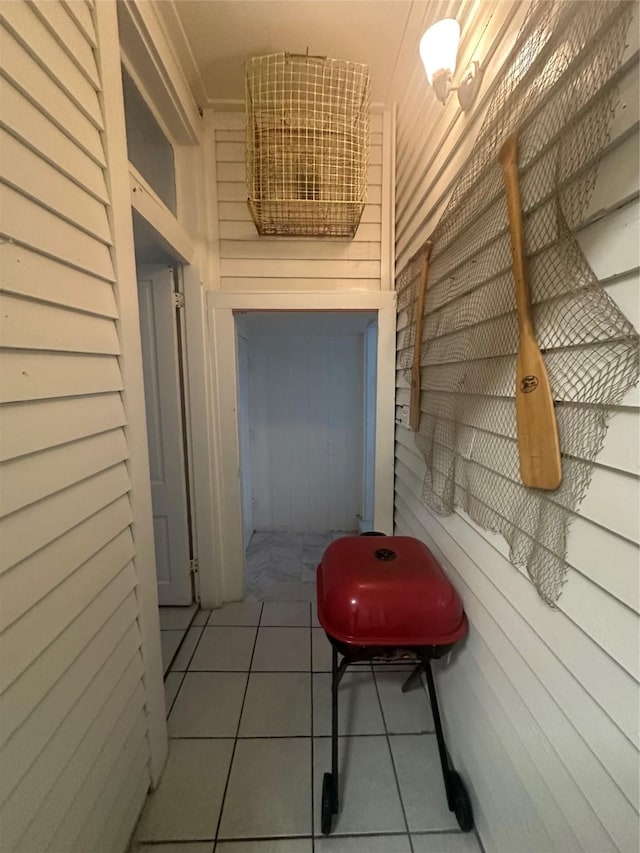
158, 332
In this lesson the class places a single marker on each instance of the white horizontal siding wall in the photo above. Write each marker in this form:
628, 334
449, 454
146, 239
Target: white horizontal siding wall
306, 415
74, 745
251, 262
541, 705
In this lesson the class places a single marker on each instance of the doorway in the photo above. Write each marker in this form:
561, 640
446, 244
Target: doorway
160, 302
223, 381
160, 336
306, 424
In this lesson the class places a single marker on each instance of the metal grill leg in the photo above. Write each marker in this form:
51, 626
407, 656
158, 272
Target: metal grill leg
335, 683
442, 747
330, 780
457, 797
414, 678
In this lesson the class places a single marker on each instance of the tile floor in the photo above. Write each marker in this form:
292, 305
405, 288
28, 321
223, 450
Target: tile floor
249, 716
174, 625
282, 566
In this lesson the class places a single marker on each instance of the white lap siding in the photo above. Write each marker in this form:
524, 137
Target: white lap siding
250, 262
541, 705
73, 729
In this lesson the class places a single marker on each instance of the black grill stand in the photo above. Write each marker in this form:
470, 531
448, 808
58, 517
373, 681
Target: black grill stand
457, 797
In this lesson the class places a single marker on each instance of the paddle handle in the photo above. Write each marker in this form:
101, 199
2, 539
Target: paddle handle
509, 160
414, 411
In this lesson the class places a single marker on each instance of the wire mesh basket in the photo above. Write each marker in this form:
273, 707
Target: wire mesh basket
307, 146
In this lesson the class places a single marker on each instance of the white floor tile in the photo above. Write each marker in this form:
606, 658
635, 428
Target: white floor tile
317, 540
257, 563
277, 704
285, 562
358, 706
208, 705
308, 574
269, 789
186, 805
321, 647
314, 615
243, 613
285, 539
403, 712
171, 686
181, 663
454, 842
172, 618
312, 556
363, 844
224, 649
188, 847
169, 642
421, 784
281, 566
259, 539
286, 613
275, 845
282, 649
369, 801
290, 590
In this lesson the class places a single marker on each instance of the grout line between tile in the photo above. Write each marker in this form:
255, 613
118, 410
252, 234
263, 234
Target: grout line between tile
313, 816
175, 698
266, 671
438, 832
340, 835
249, 839
393, 764
175, 654
236, 738
478, 839
251, 737
177, 651
289, 737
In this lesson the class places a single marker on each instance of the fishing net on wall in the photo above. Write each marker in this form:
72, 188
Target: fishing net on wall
559, 94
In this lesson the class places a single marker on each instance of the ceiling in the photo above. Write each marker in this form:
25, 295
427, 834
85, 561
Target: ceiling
213, 38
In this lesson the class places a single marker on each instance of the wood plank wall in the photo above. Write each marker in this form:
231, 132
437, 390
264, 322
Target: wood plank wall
541, 705
249, 262
73, 727
305, 400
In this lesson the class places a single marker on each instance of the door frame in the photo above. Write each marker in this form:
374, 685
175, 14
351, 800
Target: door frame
146, 52
369, 411
244, 436
153, 273
223, 368
200, 407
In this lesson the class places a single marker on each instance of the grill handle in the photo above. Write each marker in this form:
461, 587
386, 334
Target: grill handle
385, 554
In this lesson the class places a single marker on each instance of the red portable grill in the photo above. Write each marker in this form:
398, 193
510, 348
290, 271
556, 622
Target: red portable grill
387, 600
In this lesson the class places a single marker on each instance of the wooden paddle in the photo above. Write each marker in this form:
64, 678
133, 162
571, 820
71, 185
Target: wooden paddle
538, 444
414, 411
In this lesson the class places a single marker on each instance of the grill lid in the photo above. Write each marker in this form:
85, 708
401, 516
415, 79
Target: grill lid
387, 592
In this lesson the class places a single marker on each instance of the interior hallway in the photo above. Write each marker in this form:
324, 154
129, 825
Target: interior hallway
249, 715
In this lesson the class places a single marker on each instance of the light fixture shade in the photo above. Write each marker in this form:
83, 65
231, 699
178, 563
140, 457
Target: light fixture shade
439, 48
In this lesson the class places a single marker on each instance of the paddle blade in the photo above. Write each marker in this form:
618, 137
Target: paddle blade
538, 443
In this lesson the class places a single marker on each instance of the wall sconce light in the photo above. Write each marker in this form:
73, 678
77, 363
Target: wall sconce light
439, 51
